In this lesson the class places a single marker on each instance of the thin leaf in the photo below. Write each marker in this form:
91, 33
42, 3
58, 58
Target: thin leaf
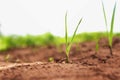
112, 26
76, 30
105, 18
68, 46
97, 46
66, 31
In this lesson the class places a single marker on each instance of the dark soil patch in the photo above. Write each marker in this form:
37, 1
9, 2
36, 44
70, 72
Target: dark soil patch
85, 64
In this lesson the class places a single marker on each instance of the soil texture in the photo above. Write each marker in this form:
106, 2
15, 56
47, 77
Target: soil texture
48, 62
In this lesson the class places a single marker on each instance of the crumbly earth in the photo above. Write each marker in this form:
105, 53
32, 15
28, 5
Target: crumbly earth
32, 63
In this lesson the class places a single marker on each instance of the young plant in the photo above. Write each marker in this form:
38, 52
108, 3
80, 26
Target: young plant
110, 33
68, 45
51, 59
7, 58
96, 47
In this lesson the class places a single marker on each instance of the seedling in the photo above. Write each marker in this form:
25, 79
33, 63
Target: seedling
97, 44
7, 58
96, 47
51, 59
109, 33
68, 45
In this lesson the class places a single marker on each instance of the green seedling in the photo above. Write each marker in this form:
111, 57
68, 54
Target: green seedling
97, 46
51, 59
110, 33
7, 58
68, 45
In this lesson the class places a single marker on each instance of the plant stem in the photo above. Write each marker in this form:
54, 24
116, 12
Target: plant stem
67, 59
110, 50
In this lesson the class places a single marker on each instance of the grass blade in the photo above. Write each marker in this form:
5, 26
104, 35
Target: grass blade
68, 46
76, 30
66, 31
112, 26
66, 39
105, 18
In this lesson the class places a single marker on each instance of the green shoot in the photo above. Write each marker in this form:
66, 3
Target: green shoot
110, 34
105, 18
68, 45
112, 26
97, 46
51, 59
7, 58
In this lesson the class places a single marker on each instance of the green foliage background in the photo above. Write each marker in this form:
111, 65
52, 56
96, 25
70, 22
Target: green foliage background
17, 41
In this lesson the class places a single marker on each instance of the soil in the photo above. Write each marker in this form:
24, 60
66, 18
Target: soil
32, 63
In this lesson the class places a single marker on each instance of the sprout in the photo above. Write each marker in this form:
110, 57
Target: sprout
109, 34
97, 46
51, 59
7, 57
68, 45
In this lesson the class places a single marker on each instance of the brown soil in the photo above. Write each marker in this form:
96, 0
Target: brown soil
85, 64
